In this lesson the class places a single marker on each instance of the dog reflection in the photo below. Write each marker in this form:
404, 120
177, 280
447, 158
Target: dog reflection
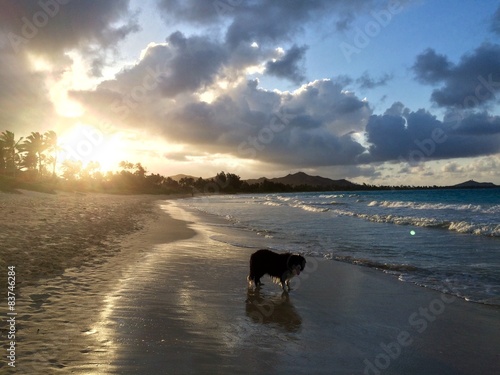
277, 310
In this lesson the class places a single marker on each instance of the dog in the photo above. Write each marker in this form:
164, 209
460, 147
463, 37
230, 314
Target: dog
281, 267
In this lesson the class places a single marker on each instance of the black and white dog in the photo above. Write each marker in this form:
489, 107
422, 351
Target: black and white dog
281, 267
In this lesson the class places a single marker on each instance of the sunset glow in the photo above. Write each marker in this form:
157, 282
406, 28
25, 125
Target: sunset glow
341, 89
85, 144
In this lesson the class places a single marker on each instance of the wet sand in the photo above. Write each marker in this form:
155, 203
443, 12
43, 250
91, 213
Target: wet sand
198, 316
172, 300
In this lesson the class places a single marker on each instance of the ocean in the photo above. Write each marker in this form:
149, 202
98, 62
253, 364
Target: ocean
447, 240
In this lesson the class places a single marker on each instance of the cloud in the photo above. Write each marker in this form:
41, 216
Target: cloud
495, 22
194, 62
309, 126
264, 21
419, 136
193, 11
473, 82
432, 68
368, 82
453, 167
51, 28
478, 124
180, 66
288, 65
24, 99
35, 40
482, 169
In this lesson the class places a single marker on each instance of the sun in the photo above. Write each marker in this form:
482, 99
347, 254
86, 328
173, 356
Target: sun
86, 143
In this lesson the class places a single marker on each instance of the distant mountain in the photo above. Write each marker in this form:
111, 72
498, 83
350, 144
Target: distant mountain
474, 184
301, 178
178, 177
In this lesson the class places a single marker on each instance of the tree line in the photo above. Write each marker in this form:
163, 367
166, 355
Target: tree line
34, 155
32, 163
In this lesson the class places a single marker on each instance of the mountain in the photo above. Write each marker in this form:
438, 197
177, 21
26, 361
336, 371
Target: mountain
178, 177
474, 184
301, 178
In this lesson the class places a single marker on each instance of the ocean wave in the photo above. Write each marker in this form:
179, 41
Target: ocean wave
464, 286
435, 206
284, 199
491, 230
310, 208
386, 267
271, 203
467, 287
488, 229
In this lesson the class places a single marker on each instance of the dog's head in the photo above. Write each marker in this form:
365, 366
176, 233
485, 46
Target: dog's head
296, 264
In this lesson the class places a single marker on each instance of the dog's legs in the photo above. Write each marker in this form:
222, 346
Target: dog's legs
257, 282
285, 284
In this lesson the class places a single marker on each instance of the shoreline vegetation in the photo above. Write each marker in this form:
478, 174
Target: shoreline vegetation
32, 163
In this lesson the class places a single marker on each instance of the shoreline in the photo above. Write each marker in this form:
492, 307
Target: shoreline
58, 306
175, 299
339, 318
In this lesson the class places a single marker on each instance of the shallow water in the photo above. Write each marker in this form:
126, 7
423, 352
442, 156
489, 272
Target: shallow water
448, 240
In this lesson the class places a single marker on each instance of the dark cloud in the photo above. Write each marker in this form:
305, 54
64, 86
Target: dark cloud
194, 62
271, 21
50, 29
195, 11
24, 98
182, 65
264, 21
368, 82
495, 22
478, 124
288, 66
419, 136
311, 126
473, 82
432, 68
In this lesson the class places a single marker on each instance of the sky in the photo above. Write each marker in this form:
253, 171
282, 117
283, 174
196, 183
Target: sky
376, 91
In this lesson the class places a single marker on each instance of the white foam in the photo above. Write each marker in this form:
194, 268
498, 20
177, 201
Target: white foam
435, 206
270, 203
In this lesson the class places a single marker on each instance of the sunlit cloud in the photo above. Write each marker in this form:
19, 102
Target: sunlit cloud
207, 87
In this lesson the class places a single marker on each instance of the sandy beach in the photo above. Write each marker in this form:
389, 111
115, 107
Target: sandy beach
151, 292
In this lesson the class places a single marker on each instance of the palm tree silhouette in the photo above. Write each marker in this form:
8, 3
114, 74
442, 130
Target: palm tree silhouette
52, 147
10, 151
2, 157
35, 145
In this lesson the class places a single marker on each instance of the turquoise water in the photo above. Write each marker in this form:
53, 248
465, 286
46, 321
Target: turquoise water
448, 240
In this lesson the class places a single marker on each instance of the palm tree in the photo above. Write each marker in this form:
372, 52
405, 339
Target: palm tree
71, 169
2, 157
10, 150
35, 146
53, 148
